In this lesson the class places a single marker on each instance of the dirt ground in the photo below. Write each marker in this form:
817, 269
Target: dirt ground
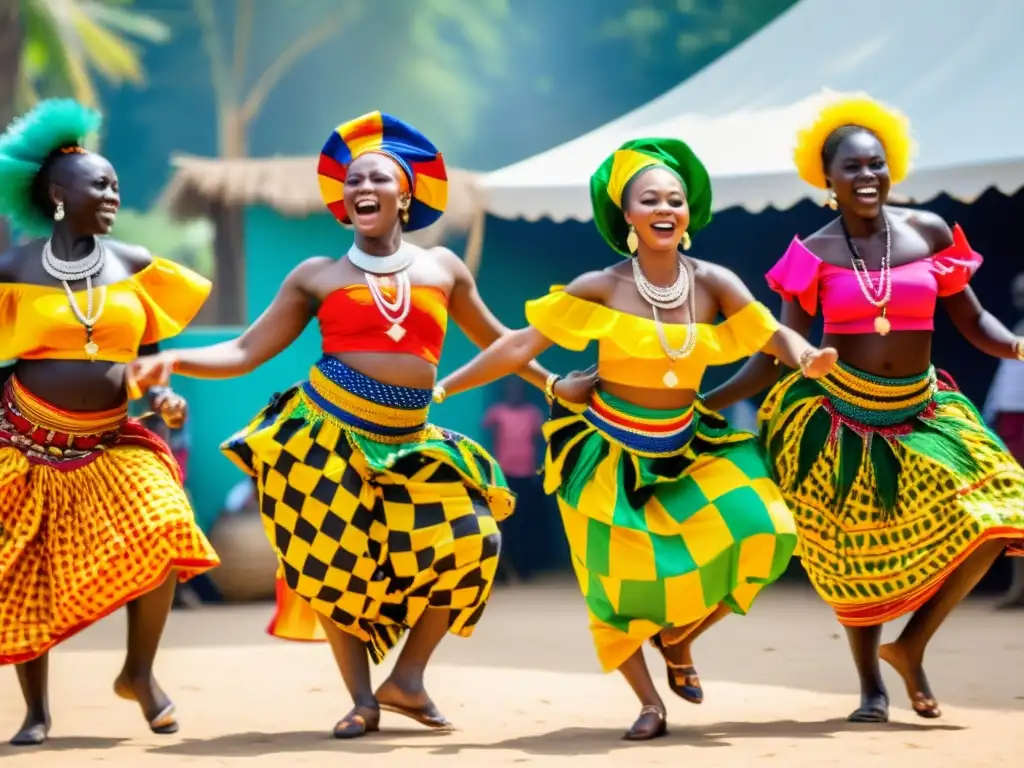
526, 689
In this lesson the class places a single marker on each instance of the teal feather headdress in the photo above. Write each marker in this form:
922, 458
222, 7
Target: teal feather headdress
24, 147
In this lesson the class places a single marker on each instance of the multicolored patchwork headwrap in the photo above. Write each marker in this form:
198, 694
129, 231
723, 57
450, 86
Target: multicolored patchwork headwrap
610, 182
411, 151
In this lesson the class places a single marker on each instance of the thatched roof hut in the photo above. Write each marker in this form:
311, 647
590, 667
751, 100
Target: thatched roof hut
203, 187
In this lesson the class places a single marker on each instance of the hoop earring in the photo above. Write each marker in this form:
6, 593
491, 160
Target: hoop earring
832, 202
58, 212
686, 241
632, 240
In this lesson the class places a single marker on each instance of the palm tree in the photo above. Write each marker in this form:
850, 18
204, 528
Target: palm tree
54, 48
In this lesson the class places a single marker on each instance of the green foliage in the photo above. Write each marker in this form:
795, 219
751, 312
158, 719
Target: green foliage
188, 243
701, 29
67, 42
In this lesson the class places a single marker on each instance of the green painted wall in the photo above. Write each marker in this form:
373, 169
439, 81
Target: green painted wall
274, 245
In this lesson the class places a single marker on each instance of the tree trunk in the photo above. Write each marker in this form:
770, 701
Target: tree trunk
11, 35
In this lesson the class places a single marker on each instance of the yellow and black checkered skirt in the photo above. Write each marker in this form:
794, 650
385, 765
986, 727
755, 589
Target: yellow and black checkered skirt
893, 483
92, 515
668, 514
375, 514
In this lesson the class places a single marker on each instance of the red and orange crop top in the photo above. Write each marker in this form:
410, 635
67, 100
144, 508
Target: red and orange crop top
350, 322
37, 322
802, 277
630, 352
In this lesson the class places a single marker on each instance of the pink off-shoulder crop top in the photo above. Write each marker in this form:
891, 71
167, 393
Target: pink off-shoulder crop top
801, 276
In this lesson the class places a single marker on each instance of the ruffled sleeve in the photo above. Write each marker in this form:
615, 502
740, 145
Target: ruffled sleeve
742, 334
172, 296
571, 322
795, 276
955, 266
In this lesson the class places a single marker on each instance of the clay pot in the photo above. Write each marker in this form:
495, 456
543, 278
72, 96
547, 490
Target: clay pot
248, 563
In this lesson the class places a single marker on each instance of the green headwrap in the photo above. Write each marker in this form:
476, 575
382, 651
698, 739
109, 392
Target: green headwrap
610, 181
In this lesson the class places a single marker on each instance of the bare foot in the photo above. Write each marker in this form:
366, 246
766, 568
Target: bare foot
874, 708
922, 700
650, 725
157, 707
33, 732
414, 704
360, 721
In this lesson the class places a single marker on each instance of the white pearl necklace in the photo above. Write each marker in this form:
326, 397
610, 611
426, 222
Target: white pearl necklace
395, 312
82, 269
876, 296
670, 297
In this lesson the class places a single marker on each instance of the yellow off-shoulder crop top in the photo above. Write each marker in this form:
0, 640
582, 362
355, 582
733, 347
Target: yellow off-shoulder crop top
156, 303
629, 351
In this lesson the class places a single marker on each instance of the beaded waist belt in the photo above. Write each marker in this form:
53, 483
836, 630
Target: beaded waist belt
363, 404
876, 401
641, 430
33, 425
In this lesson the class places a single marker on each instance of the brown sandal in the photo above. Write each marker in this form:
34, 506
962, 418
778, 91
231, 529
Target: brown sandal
428, 715
682, 678
636, 733
925, 706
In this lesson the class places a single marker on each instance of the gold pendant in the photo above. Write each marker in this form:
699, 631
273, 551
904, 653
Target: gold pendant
92, 349
670, 379
396, 333
882, 325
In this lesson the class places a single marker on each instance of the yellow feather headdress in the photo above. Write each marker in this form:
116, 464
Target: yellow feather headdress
891, 127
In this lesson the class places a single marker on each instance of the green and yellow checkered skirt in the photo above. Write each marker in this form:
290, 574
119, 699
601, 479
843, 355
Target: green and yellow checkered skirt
375, 515
893, 483
668, 514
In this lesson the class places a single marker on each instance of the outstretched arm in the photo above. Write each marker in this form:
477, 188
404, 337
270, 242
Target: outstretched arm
515, 349
473, 316
272, 332
787, 346
508, 354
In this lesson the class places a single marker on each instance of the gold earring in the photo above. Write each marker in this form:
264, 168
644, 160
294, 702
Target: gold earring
632, 241
686, 240
403, 215
58, 213
832, 202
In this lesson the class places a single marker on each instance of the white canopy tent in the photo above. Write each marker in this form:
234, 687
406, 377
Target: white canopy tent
951, 67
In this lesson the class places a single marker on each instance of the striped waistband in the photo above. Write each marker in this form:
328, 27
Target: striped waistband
640, 430
34, 425
365, 405
877, 401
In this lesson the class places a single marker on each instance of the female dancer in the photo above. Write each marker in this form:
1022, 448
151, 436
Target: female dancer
381, 521
672, 517
902, 496
92, 512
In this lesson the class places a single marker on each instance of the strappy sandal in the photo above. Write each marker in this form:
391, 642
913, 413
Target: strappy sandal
163, 723
636, 733
689, 689
353, 725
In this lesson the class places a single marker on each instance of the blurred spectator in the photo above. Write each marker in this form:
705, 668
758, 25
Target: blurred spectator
514, 425
1004, 411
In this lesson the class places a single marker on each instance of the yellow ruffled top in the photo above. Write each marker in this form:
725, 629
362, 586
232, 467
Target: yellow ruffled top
37, 322
630, 352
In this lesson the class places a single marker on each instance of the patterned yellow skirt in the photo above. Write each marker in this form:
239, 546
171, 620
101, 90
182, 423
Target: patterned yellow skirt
893, 483
669, 514
374, 514
92, 515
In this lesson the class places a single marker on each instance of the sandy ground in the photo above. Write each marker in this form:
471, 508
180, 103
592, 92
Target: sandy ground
526, 689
